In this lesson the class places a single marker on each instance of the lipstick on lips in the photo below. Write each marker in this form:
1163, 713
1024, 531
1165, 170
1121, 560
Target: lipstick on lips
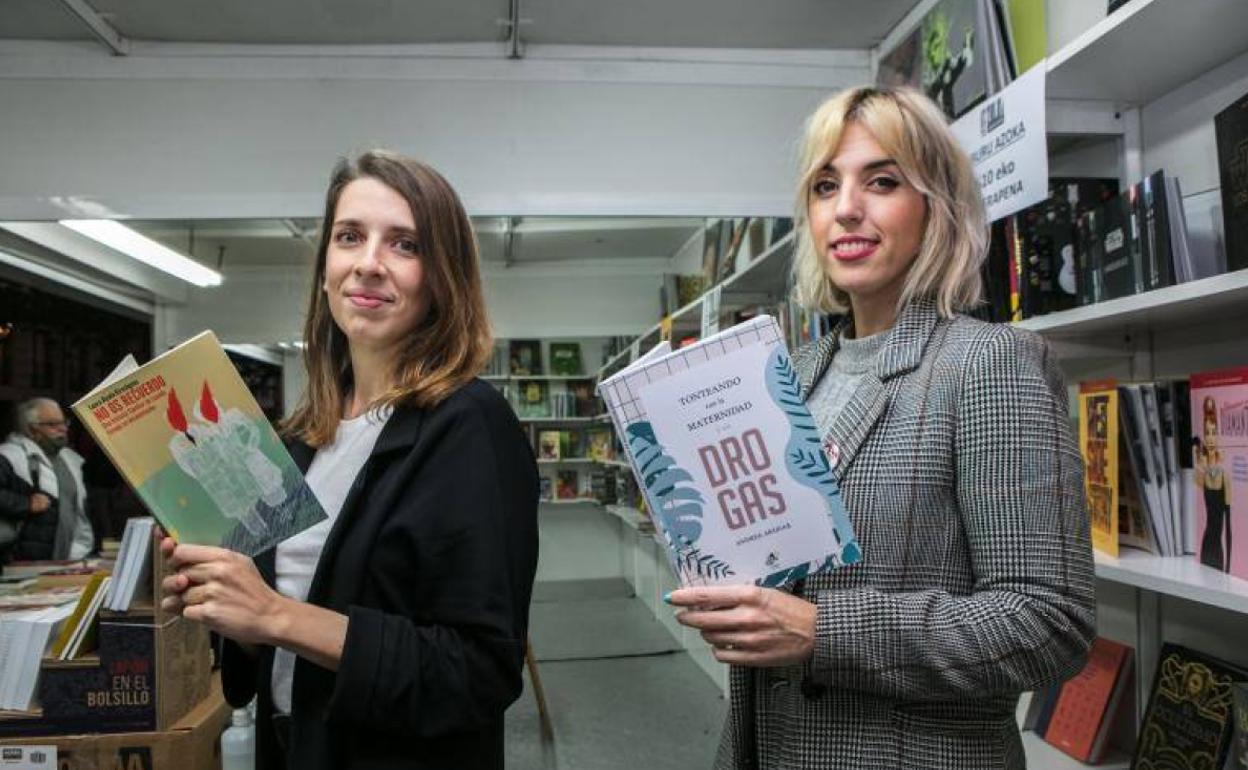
851, 248
365, 299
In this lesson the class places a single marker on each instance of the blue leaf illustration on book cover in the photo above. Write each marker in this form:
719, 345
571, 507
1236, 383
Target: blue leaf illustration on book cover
676, 502
808, 464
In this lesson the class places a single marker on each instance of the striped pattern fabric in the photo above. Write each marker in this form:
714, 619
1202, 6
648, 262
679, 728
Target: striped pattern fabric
964, 485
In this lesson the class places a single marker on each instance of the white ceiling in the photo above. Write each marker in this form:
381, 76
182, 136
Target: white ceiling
229, 243
776, 24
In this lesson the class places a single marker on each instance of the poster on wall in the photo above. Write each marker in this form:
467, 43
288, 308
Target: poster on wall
946, 56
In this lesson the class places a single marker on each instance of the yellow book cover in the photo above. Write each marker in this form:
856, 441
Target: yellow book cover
187, 435
1098, 442
78, 616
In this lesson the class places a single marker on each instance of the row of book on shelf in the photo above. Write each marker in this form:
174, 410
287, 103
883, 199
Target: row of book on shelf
51, 609
524, 358
551, 399
1196, 715
1089, 242
573, 443
605, 485
1166, 466
728, 246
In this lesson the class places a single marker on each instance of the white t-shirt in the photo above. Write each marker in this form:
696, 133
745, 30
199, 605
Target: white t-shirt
330, 477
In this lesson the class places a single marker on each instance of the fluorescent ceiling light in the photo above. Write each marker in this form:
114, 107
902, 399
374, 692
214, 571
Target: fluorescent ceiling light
117, 236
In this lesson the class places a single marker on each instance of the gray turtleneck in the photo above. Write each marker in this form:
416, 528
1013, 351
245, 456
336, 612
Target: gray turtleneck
853, 359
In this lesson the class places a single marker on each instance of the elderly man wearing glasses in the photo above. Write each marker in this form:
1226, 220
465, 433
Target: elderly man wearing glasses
43, 501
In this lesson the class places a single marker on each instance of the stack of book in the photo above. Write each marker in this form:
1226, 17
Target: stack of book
25, 636
133, 568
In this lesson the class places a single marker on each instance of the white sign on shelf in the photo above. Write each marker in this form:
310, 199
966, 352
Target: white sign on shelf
710, 312
1005, 137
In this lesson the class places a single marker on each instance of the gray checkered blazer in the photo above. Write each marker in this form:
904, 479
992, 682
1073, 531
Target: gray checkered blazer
964, 485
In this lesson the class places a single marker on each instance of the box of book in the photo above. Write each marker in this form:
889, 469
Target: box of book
148, 670
188, 744
1188, 722
730, 461
187, 435
1219, 404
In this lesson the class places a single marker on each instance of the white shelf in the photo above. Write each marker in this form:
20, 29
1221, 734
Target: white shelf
558, 419
1148, 48
1041, 755
614, 463
1218, 298
1179, 576
630, 516
566, 461
766, 276
547, 377
571, 501
762, 280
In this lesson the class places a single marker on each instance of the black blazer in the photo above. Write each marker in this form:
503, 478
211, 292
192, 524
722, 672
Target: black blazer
432, 558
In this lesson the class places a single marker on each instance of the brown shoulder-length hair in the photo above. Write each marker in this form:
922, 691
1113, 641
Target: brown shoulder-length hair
452, 342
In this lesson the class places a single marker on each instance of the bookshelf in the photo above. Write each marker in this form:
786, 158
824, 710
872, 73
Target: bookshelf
1180, 577
763, 280
1223, 297
1107, 81
1117, 60
559, 420
1159, 108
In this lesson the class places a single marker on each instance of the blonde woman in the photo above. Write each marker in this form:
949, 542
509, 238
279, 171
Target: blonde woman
393, 634
951, 443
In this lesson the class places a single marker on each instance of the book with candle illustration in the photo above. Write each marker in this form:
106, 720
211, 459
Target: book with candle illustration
187, 435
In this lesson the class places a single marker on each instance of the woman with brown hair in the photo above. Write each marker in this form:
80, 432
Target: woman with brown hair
392, 634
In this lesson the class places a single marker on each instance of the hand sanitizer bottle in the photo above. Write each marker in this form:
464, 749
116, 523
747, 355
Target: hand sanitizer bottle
238, 742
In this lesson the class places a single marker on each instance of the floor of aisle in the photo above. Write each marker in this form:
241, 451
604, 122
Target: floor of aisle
620, 691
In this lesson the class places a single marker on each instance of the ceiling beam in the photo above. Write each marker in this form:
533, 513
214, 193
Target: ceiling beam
118, 43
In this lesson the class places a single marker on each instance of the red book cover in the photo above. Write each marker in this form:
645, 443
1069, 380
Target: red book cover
1084, 707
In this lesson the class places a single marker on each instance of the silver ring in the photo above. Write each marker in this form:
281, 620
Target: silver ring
730, 646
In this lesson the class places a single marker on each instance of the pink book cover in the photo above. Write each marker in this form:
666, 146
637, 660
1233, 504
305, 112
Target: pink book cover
1220, 460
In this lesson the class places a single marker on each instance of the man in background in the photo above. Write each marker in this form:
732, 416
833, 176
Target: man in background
42, 495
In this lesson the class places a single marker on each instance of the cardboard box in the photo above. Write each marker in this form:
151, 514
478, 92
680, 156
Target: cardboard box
151, 669
190, 744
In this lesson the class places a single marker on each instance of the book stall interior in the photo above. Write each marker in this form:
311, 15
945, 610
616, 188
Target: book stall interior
629, 180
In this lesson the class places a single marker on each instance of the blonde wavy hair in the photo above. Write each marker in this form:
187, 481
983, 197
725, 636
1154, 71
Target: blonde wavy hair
912, 130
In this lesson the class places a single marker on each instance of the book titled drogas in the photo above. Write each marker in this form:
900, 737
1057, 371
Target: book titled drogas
187, 435
730, 461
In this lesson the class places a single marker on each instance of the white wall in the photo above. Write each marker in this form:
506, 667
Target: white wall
545, 304
202, 131
1178, 137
